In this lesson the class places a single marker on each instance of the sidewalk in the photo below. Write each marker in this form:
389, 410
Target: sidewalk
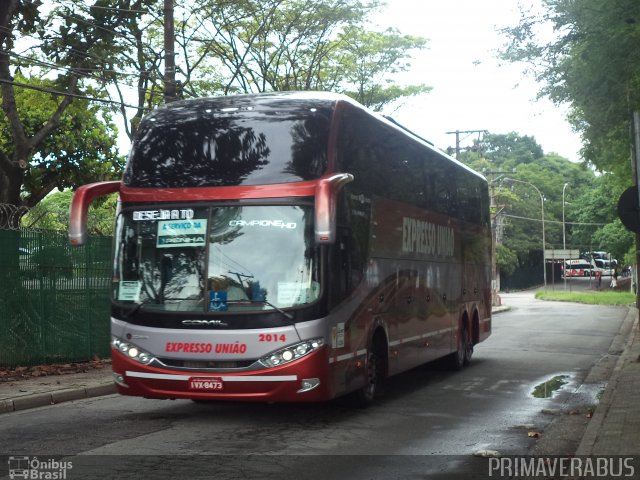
34, 392
615, 426
613, 430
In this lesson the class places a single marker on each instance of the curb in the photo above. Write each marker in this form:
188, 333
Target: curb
57, 396
501, 308
595, 425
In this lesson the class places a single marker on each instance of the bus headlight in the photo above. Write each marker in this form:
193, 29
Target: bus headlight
291, 353
131, 351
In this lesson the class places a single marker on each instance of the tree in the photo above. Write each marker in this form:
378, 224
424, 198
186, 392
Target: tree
373, 57
595, 213
81, 149
588, 200
615, 239
108, 44
52, 213
593, 64
38, 152
278, 45
506, 259
95, 50
507, 149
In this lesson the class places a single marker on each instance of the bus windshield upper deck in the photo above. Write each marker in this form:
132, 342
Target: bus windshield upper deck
215, 142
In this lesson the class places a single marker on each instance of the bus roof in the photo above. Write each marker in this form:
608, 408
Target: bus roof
293, 100
198, 133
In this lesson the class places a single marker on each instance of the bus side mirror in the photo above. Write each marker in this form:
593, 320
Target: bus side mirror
82, 198
325, 209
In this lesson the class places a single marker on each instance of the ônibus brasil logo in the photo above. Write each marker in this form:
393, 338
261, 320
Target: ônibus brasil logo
23, 467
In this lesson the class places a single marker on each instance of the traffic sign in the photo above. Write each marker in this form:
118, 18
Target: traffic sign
628, 210
561, 254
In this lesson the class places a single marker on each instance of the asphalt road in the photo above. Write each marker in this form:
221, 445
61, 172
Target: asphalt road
431, 423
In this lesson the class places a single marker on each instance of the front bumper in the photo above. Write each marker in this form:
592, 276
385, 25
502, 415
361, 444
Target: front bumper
286, 383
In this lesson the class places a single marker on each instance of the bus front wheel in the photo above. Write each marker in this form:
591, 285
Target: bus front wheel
375, 372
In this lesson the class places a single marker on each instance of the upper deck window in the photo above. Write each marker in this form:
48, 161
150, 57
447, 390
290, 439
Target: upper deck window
200, 144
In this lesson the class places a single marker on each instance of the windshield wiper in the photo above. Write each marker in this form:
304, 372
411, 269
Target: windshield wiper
288, 316
135, 309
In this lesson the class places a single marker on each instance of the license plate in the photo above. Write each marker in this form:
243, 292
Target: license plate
206, 383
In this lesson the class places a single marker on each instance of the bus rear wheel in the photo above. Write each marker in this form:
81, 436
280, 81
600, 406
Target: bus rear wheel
468, 350
464, 350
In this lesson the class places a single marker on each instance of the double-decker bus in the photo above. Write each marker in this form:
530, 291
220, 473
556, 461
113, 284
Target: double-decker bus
289, 247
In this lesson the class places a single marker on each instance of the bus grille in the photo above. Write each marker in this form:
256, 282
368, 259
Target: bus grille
206, 365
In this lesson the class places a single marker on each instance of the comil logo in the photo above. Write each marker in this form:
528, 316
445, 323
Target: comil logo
38, 469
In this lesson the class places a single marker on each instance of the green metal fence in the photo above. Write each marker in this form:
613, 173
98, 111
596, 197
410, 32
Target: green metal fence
54, 298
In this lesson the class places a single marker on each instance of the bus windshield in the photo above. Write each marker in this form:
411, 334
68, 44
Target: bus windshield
209, 146
216, 259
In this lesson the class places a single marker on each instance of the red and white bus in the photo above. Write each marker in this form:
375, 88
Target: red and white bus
289, 247
578, 268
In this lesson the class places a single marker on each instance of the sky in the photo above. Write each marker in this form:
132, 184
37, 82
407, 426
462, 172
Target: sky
471, 88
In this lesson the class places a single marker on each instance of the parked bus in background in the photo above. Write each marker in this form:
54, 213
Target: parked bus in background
578, 268
604, 267
602, 262
289, 247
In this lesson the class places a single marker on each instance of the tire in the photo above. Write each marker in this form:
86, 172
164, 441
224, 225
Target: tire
462, 356
468, 350
375, 373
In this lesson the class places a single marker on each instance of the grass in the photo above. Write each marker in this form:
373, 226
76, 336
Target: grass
591, 297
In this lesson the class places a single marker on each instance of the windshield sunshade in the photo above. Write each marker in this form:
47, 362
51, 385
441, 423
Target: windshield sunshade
199, 145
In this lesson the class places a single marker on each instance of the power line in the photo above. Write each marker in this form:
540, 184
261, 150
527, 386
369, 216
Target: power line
76, 52
81, 54
88, 75
79, 19
42, 63
117, 9
66, 94
552, 221
114, 32
458, 132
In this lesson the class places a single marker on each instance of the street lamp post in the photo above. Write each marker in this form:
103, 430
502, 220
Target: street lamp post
564, 238
544, 251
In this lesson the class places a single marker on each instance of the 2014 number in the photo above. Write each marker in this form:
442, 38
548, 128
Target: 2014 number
272, 337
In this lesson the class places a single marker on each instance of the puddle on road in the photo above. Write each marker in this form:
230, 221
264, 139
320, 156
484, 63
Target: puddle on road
548, 388
590, 393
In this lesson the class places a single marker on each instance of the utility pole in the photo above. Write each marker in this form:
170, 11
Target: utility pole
458, 132
169, 54
635, 168
496, 234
